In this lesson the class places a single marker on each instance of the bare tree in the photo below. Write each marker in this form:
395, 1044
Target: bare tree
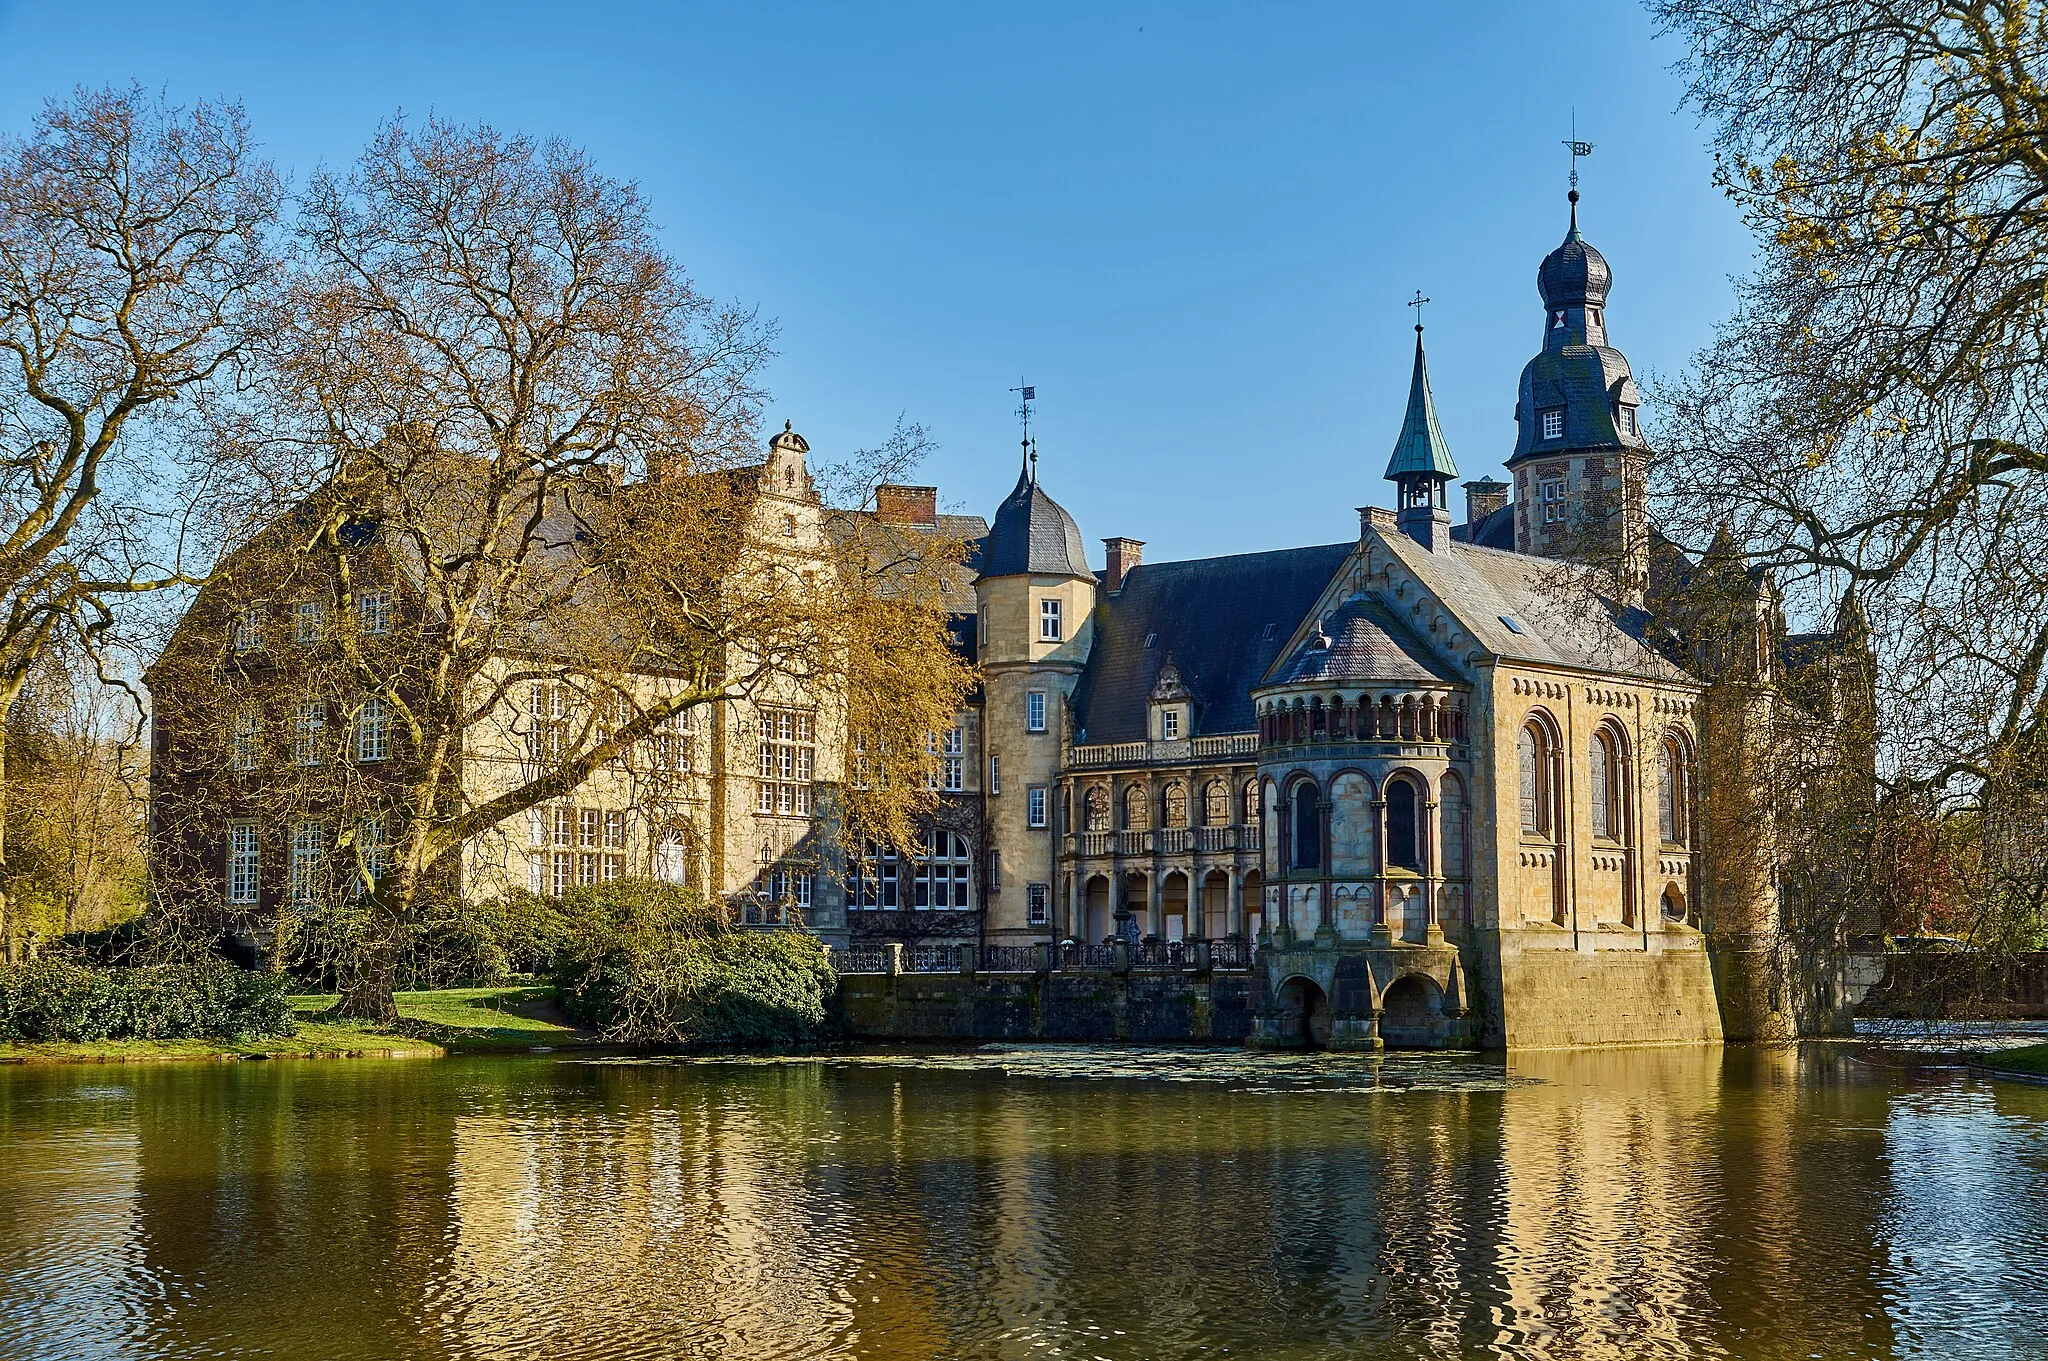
510, 419
1869, 425
132, 259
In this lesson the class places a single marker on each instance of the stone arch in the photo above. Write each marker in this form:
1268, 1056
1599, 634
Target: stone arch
1214, 908
1096, 925
1407, 835
1454, 837
1675, 787
1302, 1009
1412, 1013
1137, 909
1173, 805
1540, 762
1095, 808
1304, 824
1175, 903
1254, 894
1137, 809
1611, 793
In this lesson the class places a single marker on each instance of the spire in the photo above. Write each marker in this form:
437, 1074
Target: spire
1421, 447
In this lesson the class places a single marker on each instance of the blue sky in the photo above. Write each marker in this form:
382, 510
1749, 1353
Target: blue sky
1192, 227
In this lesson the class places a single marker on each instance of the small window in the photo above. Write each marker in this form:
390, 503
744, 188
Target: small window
1557, 321
1034, 806
249, 628
247, 738
1628, 422
1553, 423
1550, 494
1169, 724
373, 611
1049, 626
308, 621
373, 731
309, 722
789, 526
1039, 909
995, 774
242, 862
1034, 711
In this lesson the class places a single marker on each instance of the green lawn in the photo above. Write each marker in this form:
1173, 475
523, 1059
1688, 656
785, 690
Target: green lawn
2032, 1059
463, 1020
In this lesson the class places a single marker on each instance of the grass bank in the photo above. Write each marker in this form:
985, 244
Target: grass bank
2031, 1061
451, 1020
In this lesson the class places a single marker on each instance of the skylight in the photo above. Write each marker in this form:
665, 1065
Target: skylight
1513, 626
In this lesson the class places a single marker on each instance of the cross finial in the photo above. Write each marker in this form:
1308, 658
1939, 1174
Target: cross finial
1416, 303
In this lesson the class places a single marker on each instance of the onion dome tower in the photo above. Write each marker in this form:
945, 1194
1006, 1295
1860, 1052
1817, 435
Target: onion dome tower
1421, 468
1580, 457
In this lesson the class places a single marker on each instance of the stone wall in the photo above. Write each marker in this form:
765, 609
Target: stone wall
1137, 1008
1558, 999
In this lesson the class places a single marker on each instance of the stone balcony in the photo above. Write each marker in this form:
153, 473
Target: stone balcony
1181, 751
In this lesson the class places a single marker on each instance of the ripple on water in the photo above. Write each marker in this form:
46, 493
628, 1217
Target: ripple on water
1238, 1069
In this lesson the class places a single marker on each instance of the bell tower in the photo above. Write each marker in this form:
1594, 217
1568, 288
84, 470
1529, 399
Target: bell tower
1580, 462
1421, 468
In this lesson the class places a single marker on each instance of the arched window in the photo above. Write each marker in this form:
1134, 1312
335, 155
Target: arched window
1403, 848
1534, 747
1451, 810
1097, 809
1601, 785
1251, 803
1308, 828
1137, 816
1176, 806
1215, 804
1673, 791
1610, 784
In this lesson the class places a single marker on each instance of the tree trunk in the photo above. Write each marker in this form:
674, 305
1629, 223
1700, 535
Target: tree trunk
368, 981
6, 877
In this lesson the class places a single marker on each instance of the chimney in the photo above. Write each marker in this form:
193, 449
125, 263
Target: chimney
1484, 496
1375, 517
1122, 556
898, 505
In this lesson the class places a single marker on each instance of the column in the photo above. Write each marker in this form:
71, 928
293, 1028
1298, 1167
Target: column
1380, 935
1234, 918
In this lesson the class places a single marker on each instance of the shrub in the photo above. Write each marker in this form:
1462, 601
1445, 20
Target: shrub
61, 1000
650, 964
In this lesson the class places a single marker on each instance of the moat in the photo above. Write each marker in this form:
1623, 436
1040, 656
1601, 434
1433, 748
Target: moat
1033, 1202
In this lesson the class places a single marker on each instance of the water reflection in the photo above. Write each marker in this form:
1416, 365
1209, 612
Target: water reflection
1653, 1203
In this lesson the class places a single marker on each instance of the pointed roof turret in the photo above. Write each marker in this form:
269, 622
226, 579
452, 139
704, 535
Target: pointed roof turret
1421, 447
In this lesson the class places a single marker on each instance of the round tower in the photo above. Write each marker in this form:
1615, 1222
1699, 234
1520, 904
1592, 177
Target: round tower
1035, 595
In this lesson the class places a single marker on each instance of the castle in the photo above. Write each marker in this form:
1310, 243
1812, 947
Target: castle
1447, 785
1436, 785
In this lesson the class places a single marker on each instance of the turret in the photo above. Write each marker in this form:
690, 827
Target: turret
1421, 468
1036, 596
1580, 460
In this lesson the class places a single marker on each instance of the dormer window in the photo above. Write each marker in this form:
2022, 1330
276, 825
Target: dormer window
1628, 422
1169, 724
1553, 423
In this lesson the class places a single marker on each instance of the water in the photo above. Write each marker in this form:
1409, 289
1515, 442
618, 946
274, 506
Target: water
1030, 1203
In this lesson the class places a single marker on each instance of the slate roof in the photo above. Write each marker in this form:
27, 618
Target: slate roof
1587, 381
1495, 529
1421, 447
1555, 622
886, 538
1574, 274
1221, 620
1362, 641
1033, 534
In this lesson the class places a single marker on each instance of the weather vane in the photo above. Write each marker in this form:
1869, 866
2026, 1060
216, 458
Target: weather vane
1416, 303
1028, 395
1578, 149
